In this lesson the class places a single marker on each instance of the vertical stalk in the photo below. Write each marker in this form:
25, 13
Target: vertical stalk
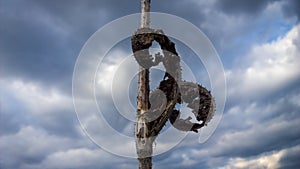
143, 142
145, 16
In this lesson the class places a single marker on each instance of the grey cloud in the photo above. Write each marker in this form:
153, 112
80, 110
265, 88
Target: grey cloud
31, 104
181, 157
12, 120
264, 127
29, 146
56, 122
78, 158
251, 130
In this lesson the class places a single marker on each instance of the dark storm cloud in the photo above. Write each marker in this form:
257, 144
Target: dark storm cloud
75, 11
291, 8
290, 159
40, 40
60, 123
32, 49
188, 10
33, 45
262, 124
30, 145
242, 6
44, 110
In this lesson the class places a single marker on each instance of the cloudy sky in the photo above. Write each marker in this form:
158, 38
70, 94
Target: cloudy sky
258, 43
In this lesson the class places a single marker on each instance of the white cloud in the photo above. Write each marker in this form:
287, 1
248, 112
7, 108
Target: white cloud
81, 158
270, 161
187, 161
38, 100
108, 68
72, 158
269, 67
116, 72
